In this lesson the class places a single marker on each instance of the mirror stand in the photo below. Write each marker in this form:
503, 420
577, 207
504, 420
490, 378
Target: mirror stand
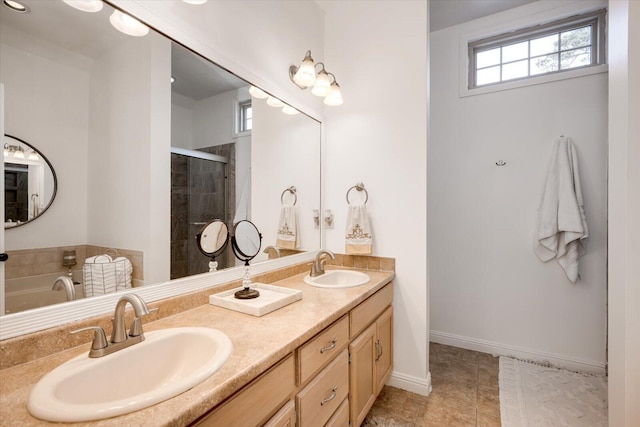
245, 242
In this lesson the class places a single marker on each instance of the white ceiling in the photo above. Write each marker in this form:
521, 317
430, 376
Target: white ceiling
446, 13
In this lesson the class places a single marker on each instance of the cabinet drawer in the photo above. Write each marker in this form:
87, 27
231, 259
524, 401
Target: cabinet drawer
315, 354
367, 311
324, 394
341, 417
254, 404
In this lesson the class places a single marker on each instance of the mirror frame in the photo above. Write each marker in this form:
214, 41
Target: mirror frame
55, 182
14, 325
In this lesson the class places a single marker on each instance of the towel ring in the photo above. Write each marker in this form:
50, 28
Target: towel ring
291, 190
360, 187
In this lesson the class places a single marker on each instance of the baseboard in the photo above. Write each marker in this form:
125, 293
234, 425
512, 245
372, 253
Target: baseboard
410, 383
517, 352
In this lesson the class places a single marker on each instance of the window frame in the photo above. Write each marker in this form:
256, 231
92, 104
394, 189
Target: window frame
241, 112
595, 19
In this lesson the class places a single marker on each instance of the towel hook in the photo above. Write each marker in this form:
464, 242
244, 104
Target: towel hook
291, 190
359, 187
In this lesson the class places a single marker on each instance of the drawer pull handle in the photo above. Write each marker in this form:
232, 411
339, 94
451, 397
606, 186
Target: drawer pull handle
330, 398
378, 350
330, 347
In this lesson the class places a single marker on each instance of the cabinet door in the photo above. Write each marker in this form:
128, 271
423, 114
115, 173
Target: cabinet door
362, 375
285, 417
384, 348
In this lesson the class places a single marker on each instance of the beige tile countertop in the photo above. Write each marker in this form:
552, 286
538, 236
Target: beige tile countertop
258, 343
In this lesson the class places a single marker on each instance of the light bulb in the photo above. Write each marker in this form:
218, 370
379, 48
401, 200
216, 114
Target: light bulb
287, 109
127, 24
86, 5
274, 102
258, 93
323, 85
306, 74
16, 6
335, 97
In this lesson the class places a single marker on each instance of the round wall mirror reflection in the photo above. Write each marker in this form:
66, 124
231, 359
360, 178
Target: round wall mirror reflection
30, 183
212, 241
245, 242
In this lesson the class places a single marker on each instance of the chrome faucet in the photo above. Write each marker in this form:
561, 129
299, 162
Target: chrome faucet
272, 248
65, 282
119, 337
317, 268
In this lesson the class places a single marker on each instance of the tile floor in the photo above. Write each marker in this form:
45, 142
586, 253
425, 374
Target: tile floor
465, 394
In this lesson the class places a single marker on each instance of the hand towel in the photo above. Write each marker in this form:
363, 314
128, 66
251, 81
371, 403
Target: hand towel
358, 236
287, 237
102, 274
562, 225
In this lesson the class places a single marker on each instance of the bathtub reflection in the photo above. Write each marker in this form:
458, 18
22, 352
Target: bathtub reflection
30, 292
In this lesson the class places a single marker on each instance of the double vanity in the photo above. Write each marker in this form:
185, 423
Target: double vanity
320, 360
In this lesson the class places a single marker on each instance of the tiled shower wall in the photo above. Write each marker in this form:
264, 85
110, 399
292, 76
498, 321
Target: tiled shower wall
198, 190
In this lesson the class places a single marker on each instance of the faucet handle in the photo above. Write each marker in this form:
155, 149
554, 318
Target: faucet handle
136, 325
99, 337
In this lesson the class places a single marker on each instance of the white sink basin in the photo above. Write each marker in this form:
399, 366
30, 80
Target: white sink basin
338, 279
167, 363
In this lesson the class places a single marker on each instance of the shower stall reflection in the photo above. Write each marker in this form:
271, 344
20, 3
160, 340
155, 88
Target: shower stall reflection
201, 191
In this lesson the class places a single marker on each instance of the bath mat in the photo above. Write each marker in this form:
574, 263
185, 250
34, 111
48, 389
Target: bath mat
540, 396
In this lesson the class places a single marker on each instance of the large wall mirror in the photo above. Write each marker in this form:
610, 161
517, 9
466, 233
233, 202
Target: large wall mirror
150, 142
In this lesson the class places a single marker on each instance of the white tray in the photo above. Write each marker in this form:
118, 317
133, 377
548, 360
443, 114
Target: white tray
271, 298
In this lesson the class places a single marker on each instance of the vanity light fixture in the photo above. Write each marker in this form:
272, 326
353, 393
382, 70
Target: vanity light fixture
91, 6
33, 156
258, 93
288, 109
127, 24
305, 76
13, 151
274, 102
16, 6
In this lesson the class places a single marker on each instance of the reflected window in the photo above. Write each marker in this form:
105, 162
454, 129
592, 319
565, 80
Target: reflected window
246, 116
563, 45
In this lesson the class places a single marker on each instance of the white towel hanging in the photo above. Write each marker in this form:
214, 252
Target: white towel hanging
562, 226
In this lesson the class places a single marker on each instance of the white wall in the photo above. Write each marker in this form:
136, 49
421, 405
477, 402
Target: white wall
182, 121
49, 86
377, 50
129, 152
489, 291
214, 118
624, 213
286, 149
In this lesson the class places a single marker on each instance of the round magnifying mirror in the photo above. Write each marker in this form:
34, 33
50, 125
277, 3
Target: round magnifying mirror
212, 241
246, 241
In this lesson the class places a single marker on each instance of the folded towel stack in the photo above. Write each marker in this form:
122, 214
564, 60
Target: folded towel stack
102, 274
287, 237
562, 224
358, 236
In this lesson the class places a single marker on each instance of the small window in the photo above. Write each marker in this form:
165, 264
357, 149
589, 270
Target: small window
568, 44
245, 116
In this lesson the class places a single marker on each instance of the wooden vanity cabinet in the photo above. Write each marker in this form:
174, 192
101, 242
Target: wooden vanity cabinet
371, 352
255, 404
335, 376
